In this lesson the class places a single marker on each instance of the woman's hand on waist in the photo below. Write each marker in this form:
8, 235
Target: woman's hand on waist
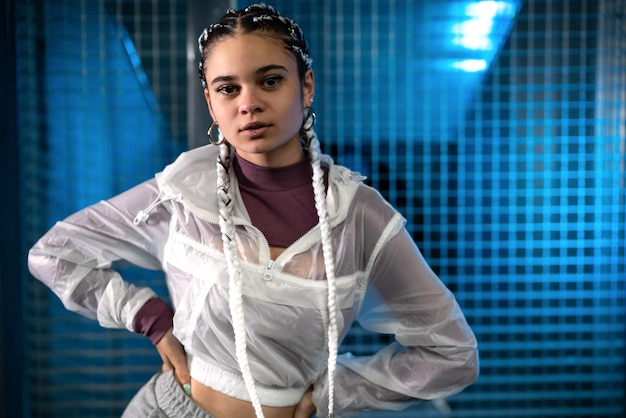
306, 407
173, 355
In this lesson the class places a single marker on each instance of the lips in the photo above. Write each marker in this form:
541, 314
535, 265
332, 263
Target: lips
254, 126
255, 130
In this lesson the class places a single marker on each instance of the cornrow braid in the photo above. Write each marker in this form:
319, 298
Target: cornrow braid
256, 18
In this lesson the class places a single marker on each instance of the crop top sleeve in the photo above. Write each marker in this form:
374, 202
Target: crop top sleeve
154, 319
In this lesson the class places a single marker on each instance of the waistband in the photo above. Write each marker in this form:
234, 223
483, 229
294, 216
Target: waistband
232, 384
172, 399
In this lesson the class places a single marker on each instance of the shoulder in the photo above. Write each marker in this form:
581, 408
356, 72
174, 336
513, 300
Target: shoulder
350, 193
188, 162
192, 169
373, 204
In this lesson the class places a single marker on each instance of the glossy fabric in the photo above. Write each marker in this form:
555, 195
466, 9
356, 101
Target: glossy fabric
383, 282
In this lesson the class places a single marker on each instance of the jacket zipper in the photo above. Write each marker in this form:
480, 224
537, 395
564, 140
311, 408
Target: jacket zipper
268, 270
269, 267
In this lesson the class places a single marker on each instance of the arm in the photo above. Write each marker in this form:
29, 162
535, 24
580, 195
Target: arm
75, 256
74, 259
434, 354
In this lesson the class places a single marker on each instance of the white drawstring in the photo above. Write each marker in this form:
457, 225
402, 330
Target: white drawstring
144, 214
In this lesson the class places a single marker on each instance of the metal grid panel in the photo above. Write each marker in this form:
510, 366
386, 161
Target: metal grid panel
91, 125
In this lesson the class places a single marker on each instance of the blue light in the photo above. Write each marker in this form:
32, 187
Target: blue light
490, 9
470, 66
476, 33
480, 33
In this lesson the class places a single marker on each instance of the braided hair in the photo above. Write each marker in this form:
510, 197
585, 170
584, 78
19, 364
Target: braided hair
257, 18
264, 19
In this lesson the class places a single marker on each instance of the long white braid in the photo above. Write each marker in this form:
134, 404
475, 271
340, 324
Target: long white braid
235, 283
329, 264
266, 18
226, 203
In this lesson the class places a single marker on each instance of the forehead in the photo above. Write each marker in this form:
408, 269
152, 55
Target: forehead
248, 52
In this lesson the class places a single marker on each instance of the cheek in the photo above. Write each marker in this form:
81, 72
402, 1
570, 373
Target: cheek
296, 110
298, 117
226, 126
221, 114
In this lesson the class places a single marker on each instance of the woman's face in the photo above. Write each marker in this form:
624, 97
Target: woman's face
257, 99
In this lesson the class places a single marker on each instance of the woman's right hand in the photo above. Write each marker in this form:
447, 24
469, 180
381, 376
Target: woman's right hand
305, 408
173, 355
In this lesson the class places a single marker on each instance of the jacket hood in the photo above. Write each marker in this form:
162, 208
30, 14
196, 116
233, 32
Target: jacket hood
192, 178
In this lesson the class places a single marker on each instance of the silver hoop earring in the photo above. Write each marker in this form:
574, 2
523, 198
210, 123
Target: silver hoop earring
210, 134
309, 119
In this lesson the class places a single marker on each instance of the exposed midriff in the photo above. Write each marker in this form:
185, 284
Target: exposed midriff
220, 405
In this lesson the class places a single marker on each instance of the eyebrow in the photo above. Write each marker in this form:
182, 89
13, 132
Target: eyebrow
261, 70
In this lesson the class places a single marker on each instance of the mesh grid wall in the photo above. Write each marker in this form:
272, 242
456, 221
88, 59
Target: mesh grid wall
516, 197
92, 125
511, 178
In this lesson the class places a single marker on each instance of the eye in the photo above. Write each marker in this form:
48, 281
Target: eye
226, 89
272, 81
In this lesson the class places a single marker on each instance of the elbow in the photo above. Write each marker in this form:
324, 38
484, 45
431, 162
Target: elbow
44, 266
39, 262
467, 359
471, 367
34, 262
459, 370
467, 368
463, 371
463, 374
37, 257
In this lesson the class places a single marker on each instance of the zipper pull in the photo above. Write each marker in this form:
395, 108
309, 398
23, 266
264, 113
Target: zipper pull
268, 270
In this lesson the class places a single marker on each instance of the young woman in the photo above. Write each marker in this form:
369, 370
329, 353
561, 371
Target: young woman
270, 252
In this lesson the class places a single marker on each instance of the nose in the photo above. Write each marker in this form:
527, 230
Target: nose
249, 102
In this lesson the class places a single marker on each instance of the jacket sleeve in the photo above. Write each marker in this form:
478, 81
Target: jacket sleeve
74, 258
434, 353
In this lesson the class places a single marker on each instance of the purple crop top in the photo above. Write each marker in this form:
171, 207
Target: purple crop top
280, 201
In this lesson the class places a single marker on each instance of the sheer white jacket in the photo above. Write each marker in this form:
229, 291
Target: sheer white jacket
383, 282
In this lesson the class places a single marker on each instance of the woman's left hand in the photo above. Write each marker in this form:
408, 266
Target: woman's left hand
305, 407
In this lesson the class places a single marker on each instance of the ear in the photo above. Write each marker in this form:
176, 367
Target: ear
208, 102
308, 88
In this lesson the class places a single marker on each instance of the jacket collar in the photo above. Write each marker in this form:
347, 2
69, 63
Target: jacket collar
192, 179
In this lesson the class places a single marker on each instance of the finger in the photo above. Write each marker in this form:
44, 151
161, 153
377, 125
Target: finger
167, 365
306, 407
173, 355
181, 372
299, 413
179, 363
